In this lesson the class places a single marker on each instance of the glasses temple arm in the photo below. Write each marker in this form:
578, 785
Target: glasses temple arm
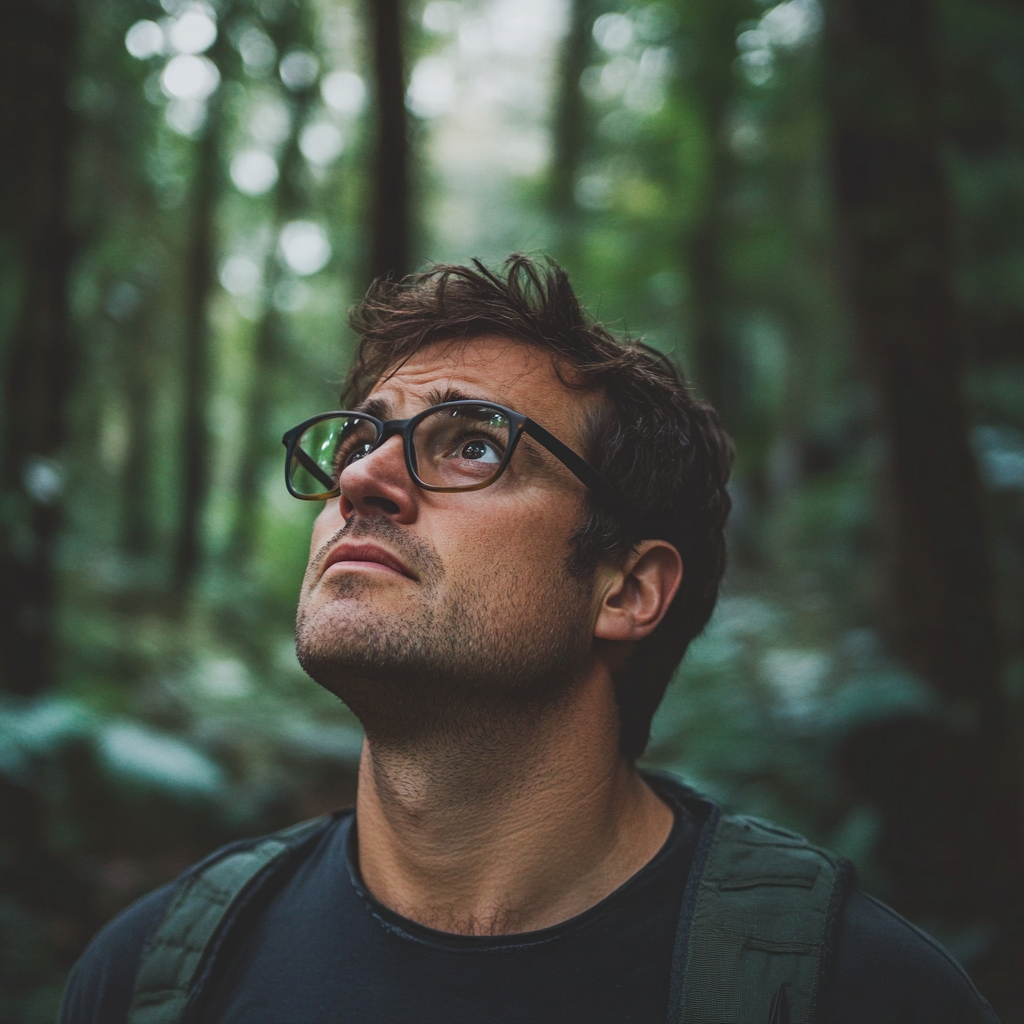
581, 469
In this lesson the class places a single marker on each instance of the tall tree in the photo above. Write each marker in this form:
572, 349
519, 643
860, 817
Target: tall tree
712, 83
137, 520
570, 128
36, 54
895, 217
200, 280
390, 229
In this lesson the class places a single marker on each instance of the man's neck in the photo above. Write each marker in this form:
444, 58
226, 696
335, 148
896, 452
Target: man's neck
516, 826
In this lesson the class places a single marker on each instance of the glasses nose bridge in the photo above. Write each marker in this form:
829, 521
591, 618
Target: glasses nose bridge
388, 429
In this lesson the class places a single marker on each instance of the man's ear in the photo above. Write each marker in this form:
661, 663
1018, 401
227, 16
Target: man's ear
638, 593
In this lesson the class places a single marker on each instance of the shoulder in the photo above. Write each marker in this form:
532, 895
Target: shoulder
887, 970
882, 968
101, 984
99, 989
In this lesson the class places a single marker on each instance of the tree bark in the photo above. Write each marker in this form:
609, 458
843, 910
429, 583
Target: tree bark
200, 279
195, 370
894, 209
390, 228
569, 130
36, 54
712, 82
137, 516
894, 215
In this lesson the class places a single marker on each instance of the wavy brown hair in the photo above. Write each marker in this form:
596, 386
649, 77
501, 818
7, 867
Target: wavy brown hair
662, 449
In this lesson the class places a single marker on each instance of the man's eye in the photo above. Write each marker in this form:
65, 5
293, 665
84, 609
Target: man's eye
480, 451
360, 452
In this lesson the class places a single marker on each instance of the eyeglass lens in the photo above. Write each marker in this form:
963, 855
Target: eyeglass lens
458, 447
315, 464
462, 446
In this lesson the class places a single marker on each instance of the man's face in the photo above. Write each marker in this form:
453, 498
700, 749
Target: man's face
421, 608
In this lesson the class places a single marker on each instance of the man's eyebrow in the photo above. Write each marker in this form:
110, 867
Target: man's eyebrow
379, 407
438, 396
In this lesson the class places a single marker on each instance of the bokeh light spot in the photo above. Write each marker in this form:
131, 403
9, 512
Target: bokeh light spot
793, 23
257, 49
299, 69
254, 172
43, 479
304, 247
194, 30
432, 89
144, 39
442, 16
240, 276
270, 123
188, 77
321, 143
613, 32
186, 116
344, 92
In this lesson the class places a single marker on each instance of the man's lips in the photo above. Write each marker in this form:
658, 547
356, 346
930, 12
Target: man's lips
365, 556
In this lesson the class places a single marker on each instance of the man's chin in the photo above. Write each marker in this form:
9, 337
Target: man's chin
350, 616
412, 668
394, 701
408, 702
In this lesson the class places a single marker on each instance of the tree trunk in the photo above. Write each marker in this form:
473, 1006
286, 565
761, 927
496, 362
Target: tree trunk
390, 241
36, 53
137, 516
894, 215
570, 131
199, 281
713, 83
894, 209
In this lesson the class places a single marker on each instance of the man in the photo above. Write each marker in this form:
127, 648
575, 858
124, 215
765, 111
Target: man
522, 531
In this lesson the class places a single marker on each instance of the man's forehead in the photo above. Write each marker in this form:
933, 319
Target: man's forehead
497, 368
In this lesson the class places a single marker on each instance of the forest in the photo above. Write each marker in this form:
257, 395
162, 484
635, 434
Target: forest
816, 207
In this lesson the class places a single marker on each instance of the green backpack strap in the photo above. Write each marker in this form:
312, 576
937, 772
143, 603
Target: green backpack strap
174, 955
757, 926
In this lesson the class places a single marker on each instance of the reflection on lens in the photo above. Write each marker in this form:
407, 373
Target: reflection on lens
325, 449
461, 447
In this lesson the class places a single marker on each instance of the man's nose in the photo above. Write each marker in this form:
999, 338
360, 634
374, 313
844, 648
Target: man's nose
380, 483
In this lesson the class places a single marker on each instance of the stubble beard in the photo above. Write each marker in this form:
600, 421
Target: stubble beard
458, 666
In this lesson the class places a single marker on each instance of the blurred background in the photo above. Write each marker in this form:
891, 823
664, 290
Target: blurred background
816, 207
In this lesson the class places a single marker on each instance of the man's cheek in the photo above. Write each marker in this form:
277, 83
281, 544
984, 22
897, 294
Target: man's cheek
325, 526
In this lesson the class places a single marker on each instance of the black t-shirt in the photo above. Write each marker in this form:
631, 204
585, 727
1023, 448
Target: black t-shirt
325, 950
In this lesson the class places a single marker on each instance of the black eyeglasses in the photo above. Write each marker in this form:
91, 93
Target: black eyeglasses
456, 446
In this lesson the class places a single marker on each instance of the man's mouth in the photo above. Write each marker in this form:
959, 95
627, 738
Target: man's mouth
350, 556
